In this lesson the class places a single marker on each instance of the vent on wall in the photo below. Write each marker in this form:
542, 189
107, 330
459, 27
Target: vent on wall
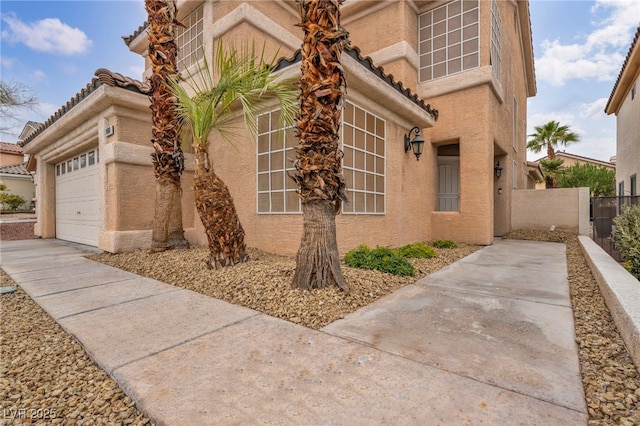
108, 131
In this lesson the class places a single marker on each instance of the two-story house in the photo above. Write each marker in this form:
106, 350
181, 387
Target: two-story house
624, 102
459, 71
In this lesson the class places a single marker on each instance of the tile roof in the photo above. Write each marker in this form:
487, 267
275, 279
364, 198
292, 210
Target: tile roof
15, 169
128, 39
367, 62
9, 147
624, 66
103, 77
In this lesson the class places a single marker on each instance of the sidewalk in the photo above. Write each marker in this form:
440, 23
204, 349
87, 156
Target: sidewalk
488, 340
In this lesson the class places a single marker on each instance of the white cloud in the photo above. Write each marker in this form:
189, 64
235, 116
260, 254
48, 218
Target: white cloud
39, 75
47, 35
595, 109
6, 62
600, 54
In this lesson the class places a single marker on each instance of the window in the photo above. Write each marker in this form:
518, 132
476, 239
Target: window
189, 40
496, 41
621, 188
514, 125
449, 40
92, 158
363, 164
633, 92
515, 174
75, 164
634, 184
83, 161
87, 159
448, 178
277, 193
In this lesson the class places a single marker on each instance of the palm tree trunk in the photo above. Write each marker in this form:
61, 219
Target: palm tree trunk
217, 212
318, 164
168, 159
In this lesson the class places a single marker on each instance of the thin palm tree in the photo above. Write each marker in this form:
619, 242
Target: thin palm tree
550, 136
167, 158
208, 101
318, 157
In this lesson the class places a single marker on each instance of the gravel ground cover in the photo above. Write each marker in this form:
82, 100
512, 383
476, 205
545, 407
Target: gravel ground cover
30, 379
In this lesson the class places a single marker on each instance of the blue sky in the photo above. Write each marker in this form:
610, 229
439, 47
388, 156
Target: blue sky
54, 47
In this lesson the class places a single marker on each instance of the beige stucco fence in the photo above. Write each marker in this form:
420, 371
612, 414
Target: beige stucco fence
566, 208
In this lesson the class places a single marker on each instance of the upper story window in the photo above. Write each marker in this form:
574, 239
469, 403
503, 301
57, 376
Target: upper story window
449, 39
496, 40
363, 164
189, 40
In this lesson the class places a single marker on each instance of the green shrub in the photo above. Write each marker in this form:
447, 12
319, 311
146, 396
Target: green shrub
383, 259
12, 201
627, 237
443, 244
417, 251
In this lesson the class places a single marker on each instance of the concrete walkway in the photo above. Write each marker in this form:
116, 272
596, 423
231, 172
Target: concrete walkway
488, 340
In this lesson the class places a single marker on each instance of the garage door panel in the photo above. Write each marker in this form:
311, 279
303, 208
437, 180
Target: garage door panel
77, 203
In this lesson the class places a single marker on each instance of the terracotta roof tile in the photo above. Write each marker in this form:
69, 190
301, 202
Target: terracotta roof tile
15, 169
9, 147
367, 62
624, 66
128, 39
103, 77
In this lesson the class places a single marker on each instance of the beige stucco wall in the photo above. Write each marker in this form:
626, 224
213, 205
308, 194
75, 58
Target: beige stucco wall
10, 158
20, 185
566, 208
628, 140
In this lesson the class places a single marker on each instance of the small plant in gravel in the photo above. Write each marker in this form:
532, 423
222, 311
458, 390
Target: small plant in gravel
383, 259
443, 244
417, 251
627, 237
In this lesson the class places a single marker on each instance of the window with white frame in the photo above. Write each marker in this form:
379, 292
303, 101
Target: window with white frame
496, 40
449, 39
634, 184
448, 197
514, 125
277, 193
363, 164
79, 162
189, 39
515, 174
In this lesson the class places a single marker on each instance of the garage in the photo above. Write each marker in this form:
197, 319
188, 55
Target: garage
77, 199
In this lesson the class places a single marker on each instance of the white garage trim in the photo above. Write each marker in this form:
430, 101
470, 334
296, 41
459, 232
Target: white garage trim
77, 198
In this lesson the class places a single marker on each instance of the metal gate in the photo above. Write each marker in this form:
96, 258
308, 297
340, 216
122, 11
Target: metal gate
605, 209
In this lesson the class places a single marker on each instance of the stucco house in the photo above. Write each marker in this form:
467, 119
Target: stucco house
459, 71
14, 174
624, 102
573, 159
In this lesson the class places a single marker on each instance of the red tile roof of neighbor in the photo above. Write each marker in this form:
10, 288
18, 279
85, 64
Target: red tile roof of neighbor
9, 147
15, 169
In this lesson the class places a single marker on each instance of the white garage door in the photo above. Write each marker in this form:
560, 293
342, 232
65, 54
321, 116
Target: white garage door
77, 199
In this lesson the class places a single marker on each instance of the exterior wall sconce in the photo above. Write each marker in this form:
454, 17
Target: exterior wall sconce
414, 144
497, 170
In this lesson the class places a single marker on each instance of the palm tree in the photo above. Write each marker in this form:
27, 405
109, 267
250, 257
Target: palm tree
551, 169
318, 161
550, 136
208, 101
167, 158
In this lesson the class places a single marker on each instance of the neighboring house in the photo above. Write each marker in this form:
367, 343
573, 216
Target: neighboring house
624, 102
14, 174
459, 71
19, 182
10, 154
573, 159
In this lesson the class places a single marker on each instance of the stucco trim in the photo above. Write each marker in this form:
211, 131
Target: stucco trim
398, 51
247, 13
462, 81
137, 155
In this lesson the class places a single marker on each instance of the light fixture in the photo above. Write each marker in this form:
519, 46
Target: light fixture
414, 144
497, 170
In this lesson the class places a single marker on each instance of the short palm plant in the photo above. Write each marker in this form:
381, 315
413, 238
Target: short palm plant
208, 101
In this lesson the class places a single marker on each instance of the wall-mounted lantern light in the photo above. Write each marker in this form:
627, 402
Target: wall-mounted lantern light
497, 170
414, 144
